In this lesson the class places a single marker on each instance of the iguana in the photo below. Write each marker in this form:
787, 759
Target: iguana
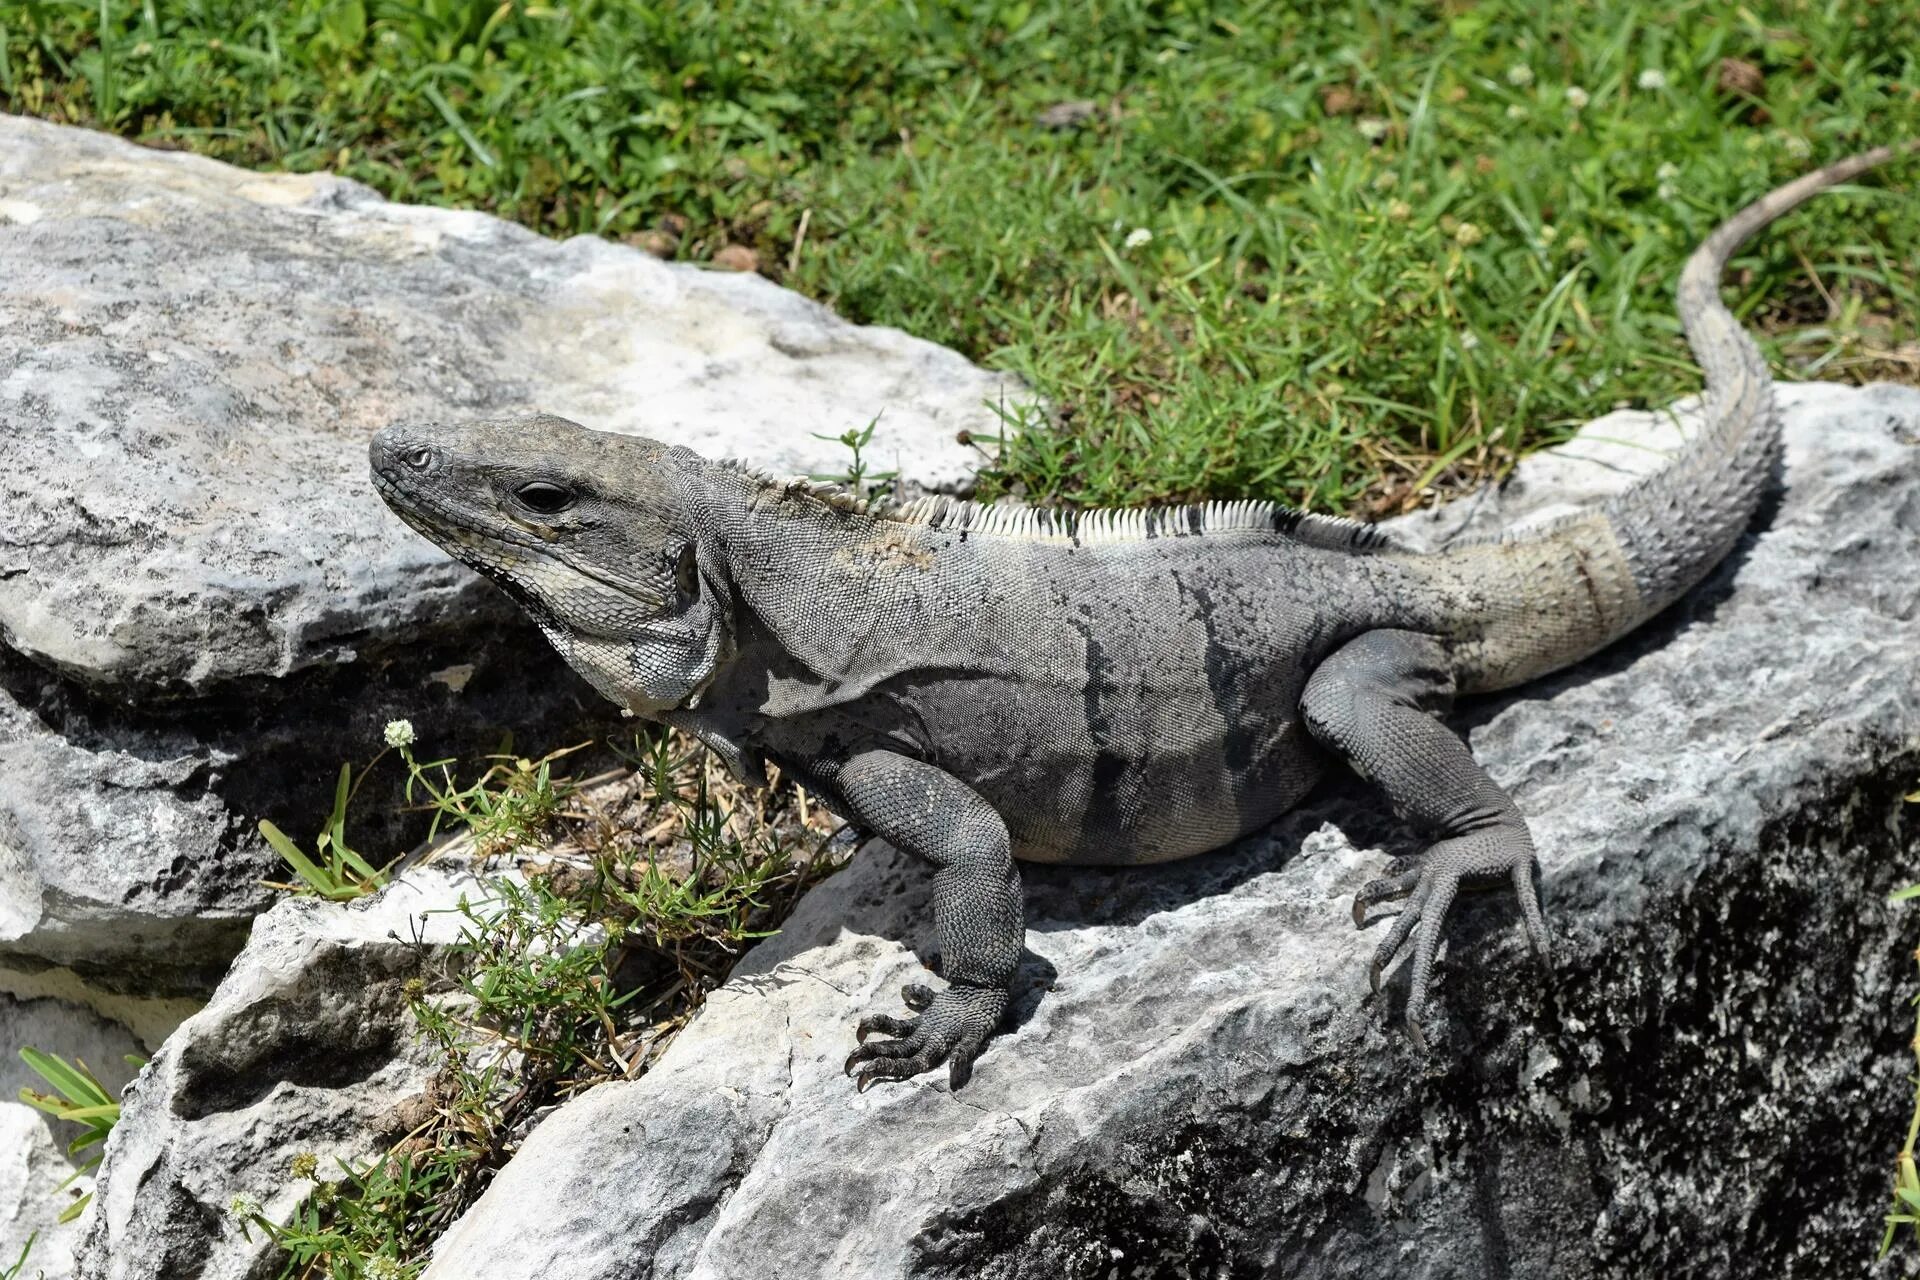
979, 684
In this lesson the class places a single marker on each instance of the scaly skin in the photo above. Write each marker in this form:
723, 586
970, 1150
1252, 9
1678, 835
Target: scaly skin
979, 686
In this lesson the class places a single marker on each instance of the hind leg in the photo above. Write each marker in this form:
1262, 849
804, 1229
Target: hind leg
1376, 704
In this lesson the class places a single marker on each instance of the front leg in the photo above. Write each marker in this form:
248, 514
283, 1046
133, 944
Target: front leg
1376, 703
978, 911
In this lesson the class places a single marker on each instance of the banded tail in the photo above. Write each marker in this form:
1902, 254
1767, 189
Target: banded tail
1520, 607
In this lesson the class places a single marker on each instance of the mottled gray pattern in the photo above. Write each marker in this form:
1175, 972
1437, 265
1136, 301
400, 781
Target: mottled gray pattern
1128, 696
307, 1046
196, 355
1707, 1082
203, 608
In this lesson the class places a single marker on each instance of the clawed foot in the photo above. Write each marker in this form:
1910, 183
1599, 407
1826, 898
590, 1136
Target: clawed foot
1429, 885
952, 1027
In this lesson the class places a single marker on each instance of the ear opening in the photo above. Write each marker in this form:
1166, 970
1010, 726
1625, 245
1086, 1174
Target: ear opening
686, 573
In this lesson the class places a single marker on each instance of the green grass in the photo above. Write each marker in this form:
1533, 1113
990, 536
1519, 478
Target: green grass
19, 1266
1387, 251
639, 889
78, 1097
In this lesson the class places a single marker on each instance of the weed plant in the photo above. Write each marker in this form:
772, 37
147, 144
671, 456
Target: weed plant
1906, 1178
632, 894
78, 1097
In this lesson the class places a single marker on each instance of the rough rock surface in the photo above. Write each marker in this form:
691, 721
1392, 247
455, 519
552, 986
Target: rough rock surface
305, 1047
33, 1165
204, 608
128, 841
198, 354
1707, 1083
33, 1145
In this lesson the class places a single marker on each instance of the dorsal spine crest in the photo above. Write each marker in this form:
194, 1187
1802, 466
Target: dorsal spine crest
1097, 525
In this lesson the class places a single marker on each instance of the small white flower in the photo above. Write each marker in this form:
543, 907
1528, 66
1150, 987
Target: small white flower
1577, 97
1797, 147
382, 1269
1516, 112
1652, 78
244, 1207
1548, 234
1372, 128
1469, 339
1138, 236
1467, 235
1519, 75
1667, 172
399, 733
1666, 191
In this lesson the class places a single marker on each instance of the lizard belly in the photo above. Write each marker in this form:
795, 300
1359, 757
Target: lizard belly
1159, 778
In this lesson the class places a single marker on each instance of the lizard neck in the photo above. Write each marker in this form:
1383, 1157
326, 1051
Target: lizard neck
806, 580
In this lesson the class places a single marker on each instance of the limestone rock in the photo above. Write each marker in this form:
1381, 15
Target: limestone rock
305, 1047
32, 1168
1710, 1081
198, 354
33, 1145
129, 849
205, 609
110, 854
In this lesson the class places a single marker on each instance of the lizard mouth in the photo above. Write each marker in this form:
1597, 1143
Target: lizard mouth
442, 522
494, 547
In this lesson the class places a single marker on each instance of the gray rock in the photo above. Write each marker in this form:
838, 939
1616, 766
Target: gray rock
306, 1047
1709, 1082
129, 849
120, 859
33, 1145
204, 608
1067, 115
33, 1164
198, 355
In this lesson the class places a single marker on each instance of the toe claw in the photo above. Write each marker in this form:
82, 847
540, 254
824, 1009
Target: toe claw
916, 996
884, 1050
960, 1064
901, 1068
953, 1028
1359, 912
885, 1025
1474, 858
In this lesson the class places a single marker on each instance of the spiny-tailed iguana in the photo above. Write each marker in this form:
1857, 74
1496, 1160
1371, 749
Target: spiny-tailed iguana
978, 685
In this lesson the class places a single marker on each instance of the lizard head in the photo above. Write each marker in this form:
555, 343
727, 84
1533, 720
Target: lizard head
595, 535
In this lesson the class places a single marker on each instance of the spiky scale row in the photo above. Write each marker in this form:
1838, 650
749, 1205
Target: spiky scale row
1096, 525
1001, 701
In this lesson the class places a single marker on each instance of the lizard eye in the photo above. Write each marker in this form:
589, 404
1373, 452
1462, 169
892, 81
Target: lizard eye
420, 459
544, 497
